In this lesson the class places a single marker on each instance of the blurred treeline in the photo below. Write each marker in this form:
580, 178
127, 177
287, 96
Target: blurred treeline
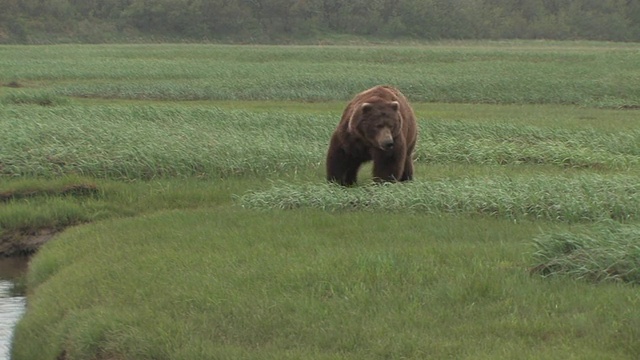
32, 21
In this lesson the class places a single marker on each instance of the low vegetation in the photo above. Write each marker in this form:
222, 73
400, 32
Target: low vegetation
557, 198
151, 141
580, 73
609, 252
233, 283
186, 187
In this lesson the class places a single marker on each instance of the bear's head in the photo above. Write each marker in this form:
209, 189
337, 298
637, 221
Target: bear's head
377, 122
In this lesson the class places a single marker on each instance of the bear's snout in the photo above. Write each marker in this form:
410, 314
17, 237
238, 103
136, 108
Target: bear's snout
387, 144
384, 140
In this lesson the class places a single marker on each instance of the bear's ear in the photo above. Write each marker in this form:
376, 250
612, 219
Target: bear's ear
395, 105
366, 107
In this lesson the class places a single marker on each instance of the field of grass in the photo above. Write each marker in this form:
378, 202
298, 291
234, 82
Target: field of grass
551, 73
186, 187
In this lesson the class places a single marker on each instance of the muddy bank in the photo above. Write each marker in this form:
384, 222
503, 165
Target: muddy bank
20, 243
25, 238
68, 190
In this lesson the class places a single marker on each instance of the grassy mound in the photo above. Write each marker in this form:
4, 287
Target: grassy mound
229, 283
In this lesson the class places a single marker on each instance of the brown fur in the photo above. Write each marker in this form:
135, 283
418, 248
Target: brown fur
378, 124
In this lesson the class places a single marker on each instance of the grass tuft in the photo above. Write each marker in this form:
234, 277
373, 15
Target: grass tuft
609, 252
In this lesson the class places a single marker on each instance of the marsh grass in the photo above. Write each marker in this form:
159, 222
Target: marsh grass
29, 188
149, 142
30, 206
513, 73
42, 98
500, 144
568, 199
609, 252
309, 284
165, 263
155, 142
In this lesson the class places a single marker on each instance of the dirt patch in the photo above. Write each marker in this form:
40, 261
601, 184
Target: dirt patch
630, 107
13, 84
25, 242
73, 190
27, 239
80, 190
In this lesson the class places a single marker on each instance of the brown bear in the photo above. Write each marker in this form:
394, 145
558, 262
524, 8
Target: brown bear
378, 124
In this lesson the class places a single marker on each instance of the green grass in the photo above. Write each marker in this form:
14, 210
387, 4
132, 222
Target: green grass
206, 284
525, 72
148, 142
574, 199
204, 229
29, 188
610, 252
42, 98
33, 206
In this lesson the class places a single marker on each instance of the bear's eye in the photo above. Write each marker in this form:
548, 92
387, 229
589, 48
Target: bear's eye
380, 126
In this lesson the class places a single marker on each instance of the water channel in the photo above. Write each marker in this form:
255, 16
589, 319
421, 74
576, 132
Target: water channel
12, 305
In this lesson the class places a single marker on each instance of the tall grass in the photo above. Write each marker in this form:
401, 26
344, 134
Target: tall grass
152, 142
481, 73
147, 142
491, 144
609, 252
568, 199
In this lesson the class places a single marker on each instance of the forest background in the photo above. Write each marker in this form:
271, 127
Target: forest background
288, 21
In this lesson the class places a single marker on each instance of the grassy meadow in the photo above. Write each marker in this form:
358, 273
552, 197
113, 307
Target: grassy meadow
185, 185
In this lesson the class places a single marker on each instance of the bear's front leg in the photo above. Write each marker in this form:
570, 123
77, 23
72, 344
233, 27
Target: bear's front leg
388, 166
407, 174
341, 167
